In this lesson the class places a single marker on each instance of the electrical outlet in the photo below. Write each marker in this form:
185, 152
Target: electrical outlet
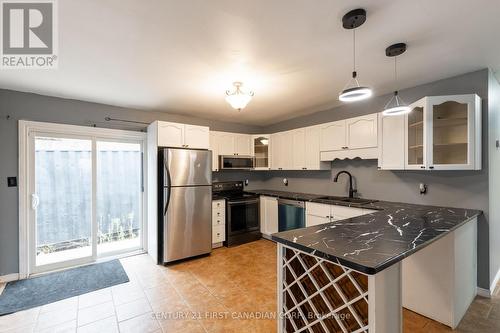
11, 181
285, 181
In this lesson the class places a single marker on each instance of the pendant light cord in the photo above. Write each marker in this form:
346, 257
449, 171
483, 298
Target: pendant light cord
354, 50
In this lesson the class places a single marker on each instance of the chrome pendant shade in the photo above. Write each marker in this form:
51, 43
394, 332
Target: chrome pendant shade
238, 99
353, 91
396, 106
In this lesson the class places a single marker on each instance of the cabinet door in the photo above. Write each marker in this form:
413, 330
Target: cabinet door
242, 144
333, 136
361, 132
451, 135
416, 136
299, 149
287, 150
226, 143
342, 212
170, 134
261, 151
214, 147
312, 158
312, 220
268, 215
196, 137
276, 151
391, 138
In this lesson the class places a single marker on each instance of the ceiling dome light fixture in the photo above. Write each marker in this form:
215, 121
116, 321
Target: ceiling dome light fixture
353, 91
238, 98
396, 106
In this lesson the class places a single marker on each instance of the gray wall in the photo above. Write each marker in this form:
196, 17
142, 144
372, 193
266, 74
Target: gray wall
494, 173
468, 189
27, 106
451, 188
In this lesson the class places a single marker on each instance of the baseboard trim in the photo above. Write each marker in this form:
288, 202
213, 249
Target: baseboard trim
495, 282
9, 277
483, 292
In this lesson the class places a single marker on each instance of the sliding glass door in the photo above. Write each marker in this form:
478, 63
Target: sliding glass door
86, 199
119, 196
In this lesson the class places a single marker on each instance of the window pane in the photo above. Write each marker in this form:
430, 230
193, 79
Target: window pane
63, 187
119, 196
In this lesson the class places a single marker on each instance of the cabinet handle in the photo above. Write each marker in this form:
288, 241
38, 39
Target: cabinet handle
422, 167
431, 167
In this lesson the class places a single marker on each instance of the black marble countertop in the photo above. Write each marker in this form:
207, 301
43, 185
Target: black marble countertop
372, 242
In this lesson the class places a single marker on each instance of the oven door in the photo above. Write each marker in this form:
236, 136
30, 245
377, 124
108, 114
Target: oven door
242, 216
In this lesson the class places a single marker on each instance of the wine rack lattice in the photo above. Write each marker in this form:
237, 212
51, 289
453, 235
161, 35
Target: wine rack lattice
320, 296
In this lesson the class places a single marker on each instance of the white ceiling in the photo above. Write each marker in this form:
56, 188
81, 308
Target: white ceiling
180, 56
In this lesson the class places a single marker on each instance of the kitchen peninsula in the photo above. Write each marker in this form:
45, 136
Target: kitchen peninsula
356, 274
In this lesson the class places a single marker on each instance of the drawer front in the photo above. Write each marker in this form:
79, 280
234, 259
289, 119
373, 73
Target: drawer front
317, 209
218, 234
218, 219
341, 212
219, 204
218, 214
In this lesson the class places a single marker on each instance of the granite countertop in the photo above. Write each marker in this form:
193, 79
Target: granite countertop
372, 242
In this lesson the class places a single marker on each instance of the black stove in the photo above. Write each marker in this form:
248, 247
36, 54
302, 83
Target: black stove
242, 212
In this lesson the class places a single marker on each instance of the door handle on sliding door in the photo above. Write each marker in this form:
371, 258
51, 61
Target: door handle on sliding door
35, 201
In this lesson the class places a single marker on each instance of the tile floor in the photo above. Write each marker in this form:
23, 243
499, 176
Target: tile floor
205, 295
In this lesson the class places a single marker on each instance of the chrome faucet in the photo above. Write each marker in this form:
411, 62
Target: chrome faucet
351, 190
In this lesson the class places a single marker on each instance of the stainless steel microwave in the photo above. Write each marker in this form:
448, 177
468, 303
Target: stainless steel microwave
235, 162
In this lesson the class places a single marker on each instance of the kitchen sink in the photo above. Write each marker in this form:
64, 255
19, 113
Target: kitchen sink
360, 201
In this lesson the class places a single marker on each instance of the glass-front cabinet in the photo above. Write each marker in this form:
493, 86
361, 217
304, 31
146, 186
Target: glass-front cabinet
444, 133
261, 151
416, 136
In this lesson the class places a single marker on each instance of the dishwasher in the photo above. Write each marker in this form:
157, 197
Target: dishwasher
291, 214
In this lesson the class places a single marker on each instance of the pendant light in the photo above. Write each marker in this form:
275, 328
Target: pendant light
239, 98
395, 106
353, 91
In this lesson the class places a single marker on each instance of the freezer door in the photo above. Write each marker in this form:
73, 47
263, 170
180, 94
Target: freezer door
185, 167
187, 222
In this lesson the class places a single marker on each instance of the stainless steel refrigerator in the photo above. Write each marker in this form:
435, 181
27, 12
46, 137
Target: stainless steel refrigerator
185, 197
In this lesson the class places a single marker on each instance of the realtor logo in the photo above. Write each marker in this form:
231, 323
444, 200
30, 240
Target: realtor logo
28, 34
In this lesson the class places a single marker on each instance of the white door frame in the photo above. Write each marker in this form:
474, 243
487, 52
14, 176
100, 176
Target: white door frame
25, 211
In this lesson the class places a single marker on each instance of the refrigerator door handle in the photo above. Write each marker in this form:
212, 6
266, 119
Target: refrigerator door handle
169, 190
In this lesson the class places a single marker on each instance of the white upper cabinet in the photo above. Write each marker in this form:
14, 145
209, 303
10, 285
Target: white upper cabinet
233, 143
444, 133
182, 135
243, 144
299, 149
261, 150
391, 142
170, 134
312, 137
416, 136
196, 136
226, 143
350, 138
454, 138
361, 132
333, 136
214, 147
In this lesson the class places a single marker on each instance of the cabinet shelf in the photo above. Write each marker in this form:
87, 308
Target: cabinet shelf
416, 146
416, 124
447, 144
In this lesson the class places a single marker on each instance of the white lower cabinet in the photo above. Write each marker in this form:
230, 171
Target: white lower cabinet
317, 213
268, 215
218, 222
